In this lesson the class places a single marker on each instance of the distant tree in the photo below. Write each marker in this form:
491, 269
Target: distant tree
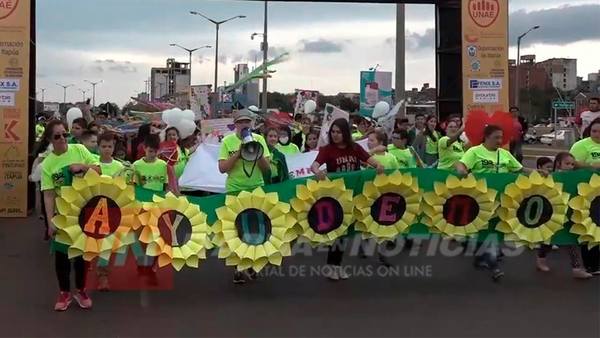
281, 101
348, 104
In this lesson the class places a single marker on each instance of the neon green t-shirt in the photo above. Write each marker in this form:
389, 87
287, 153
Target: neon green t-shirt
114, 168
357, 135
182, 160
586, 151
151, 175
449, 155
480, 160
431, 146
237, 179
54, 173
405, 157
39, 132
72, 140
290, 149
387, 160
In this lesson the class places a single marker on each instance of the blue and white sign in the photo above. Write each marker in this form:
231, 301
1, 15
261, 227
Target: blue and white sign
485, 84
10, 85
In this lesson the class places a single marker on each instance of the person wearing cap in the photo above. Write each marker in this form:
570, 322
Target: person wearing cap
242, 174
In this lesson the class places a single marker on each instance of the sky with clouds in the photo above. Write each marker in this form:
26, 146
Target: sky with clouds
118, 41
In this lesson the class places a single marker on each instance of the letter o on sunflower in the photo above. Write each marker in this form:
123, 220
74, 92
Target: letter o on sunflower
387, 206
253, 230
532, 210
459, 207
586, 212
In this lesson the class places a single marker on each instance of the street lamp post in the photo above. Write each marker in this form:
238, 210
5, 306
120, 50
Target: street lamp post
217, 25
83, 91
265, 49
64, 92
93, 91
517, 79
43, 90
190, 51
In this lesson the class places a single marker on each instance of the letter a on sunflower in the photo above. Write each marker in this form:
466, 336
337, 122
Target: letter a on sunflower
532, 210
459, 207
387, 206
254, 229
324, 210
586, 212
96, 216
176, 231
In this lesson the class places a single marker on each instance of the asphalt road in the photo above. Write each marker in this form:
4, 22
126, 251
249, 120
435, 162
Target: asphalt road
423, 296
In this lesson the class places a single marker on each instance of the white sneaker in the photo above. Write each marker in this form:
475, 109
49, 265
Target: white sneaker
342, 273
332, 272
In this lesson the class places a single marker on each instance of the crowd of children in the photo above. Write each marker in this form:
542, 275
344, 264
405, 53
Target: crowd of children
65, 151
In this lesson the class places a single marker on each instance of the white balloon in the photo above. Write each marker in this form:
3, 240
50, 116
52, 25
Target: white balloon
309, 107
166, 116
185, 127
175, 116
73, 114
253, 109
380, 109
188, 114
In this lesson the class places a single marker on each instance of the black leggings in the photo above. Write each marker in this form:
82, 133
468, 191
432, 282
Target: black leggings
63, 271
591, 258
336, 252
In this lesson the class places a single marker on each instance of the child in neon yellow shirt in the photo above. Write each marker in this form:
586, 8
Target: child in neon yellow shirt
150, 171
377, 142
406, 156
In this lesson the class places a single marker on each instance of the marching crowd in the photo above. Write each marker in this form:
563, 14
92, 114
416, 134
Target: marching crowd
157, 156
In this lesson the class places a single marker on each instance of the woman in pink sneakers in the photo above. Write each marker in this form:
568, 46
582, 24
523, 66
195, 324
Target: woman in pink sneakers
65, 160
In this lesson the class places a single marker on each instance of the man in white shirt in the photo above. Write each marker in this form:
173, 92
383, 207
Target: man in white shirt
590, 115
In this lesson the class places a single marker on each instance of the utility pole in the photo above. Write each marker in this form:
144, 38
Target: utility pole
517, 82
93, 91
265, 49
217, 25
83, 91
400, 53
64, 92
190, 52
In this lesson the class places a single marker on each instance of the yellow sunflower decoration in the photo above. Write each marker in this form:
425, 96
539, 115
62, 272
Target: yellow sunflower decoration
176, 231
387, 206
586, 212
96, 216
324, 210
532, 210
459, 207
253, 230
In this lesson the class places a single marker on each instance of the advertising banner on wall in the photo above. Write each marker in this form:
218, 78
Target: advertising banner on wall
14, 106
374, 87
200, 103
303, 95
485, 55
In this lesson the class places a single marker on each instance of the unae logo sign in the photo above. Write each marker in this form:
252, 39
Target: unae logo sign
7, 7
484, 12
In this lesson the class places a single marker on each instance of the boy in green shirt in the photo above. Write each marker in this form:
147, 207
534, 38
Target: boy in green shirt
150, 171
405, 155
90, 140
108, 165
78, 126
377, 142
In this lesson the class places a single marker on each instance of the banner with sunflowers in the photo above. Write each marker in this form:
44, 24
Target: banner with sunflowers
101, 215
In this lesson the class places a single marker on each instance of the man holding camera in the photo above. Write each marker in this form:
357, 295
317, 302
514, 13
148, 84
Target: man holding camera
241, 154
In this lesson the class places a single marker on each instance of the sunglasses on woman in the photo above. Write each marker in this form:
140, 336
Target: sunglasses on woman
58, 136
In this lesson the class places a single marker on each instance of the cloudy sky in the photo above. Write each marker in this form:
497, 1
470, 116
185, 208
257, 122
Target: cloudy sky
118, 41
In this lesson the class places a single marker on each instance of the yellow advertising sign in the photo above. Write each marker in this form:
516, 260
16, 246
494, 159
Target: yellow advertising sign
485, 55
14, 106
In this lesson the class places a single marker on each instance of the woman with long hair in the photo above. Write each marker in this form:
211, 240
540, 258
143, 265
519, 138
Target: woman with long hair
279, 170
342, 154
312, 141
450, 147
426, 143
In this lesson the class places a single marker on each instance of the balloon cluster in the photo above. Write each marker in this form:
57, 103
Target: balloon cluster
183, 120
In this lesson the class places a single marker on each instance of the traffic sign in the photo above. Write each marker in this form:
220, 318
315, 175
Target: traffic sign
563, 105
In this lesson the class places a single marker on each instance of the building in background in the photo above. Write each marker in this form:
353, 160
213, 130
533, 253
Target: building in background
531, 76
171, 83
562, 72
248, 93
51, 107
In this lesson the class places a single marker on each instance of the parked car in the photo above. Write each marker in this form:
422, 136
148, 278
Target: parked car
549, 138
530, 137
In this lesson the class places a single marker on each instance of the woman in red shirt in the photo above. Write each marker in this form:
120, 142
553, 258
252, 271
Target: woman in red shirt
342, 154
